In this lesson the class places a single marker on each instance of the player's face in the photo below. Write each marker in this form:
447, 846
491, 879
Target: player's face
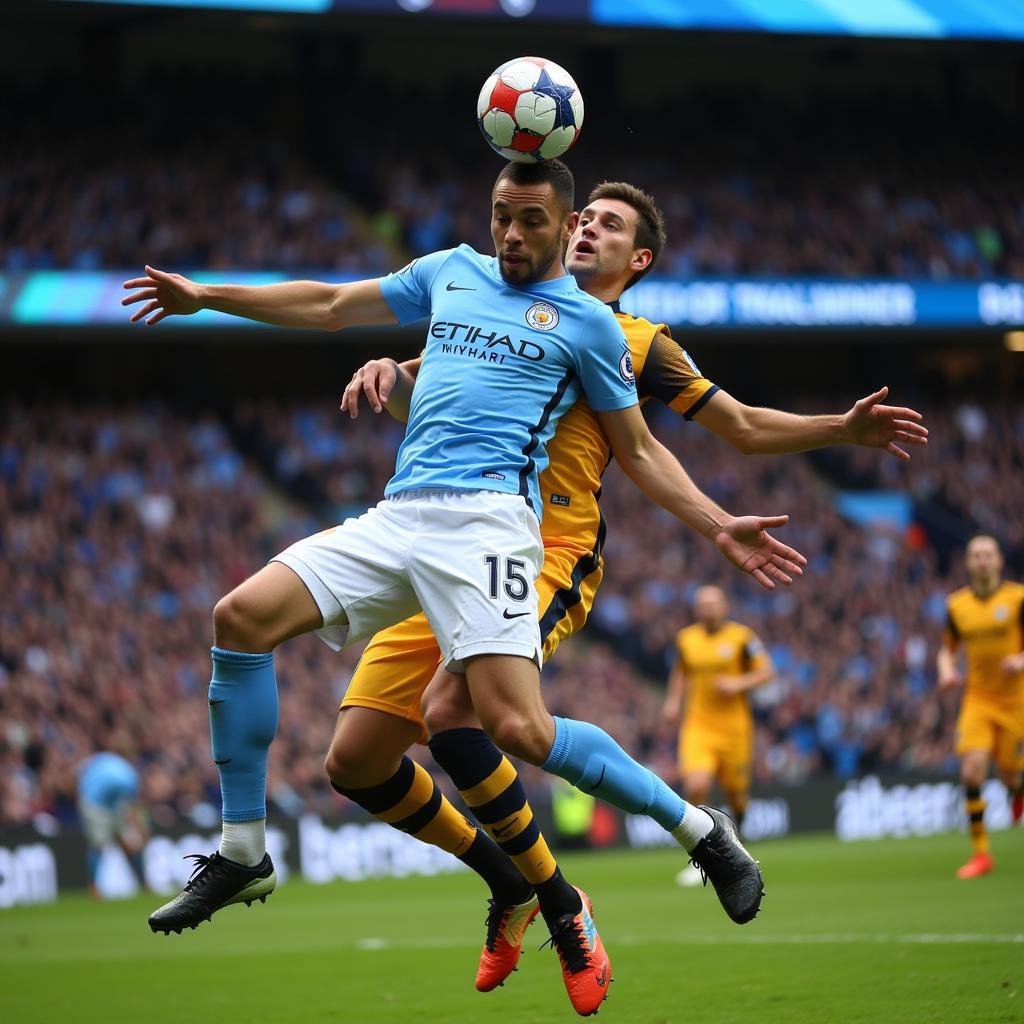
530, 230
984, 560
604, 243
710, 606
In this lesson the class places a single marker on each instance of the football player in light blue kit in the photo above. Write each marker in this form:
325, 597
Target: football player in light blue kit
109, 810
511, 343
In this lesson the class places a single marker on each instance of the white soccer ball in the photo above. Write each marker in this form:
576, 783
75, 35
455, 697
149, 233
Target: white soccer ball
530, 109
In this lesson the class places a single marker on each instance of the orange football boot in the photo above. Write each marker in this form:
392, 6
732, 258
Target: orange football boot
980, 864
506, 926
586, 969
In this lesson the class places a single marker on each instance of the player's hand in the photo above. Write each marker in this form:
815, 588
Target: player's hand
873, 425
744, 541
729, 685
376, 380
948, 680
1012, 665
164, 295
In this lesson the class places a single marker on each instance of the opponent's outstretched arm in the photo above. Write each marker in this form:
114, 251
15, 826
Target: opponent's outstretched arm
326, 307
758, 431
743, 540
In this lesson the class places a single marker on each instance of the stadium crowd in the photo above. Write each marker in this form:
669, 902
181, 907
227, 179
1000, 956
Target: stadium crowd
108, 182
120, 528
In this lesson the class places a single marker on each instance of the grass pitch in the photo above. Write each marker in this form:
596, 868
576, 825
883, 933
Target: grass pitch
868, 932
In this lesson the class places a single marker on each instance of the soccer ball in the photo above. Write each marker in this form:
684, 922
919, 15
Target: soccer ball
530, 110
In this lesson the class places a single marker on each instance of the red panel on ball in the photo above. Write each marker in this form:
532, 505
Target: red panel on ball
526, 142
504, 98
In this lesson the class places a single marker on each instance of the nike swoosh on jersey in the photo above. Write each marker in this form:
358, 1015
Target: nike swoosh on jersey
515, 615
453, 287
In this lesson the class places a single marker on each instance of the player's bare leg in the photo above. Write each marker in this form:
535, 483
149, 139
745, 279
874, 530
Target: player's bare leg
973, 772
248, 624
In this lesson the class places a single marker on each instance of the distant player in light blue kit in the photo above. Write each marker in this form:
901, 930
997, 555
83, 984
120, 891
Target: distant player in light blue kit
512, 342
109, 811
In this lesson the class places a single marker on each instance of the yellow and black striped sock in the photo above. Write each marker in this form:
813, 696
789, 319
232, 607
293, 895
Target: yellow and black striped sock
411, 802
490, 785
976, 820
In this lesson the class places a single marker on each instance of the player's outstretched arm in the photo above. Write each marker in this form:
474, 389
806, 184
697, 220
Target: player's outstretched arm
757, 431
385, 384
311, 304
742, 540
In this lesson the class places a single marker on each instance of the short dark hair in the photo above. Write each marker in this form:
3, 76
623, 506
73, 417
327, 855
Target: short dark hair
544, 172
650, 221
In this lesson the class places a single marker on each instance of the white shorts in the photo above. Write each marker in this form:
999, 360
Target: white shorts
468, 559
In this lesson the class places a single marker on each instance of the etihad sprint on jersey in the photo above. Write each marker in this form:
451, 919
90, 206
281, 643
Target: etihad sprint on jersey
475, 343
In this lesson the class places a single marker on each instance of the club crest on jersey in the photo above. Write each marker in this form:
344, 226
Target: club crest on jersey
542, 316
626, 367
1001, 612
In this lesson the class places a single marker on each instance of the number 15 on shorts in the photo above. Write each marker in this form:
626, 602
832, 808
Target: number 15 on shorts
515, 583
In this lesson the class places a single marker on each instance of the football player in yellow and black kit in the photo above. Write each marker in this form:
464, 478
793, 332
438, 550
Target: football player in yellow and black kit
718, 663
400, 694
986, 619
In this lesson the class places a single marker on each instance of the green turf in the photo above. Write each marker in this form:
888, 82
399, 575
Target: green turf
867, 932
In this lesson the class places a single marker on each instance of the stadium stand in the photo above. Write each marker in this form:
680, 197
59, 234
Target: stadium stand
107, 186
121, 526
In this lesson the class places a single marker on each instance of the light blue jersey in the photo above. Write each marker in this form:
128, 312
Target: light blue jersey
500, 366
108, 780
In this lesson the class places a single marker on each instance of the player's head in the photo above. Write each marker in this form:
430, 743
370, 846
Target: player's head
531, 220
710, 605
984, 559
620, 235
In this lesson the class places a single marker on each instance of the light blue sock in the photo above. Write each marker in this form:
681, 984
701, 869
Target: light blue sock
243, 720
592, 761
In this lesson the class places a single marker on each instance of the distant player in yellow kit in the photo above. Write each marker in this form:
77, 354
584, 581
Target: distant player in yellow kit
719, 662
986, 619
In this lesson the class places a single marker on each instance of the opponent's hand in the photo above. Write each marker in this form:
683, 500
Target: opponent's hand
743, 540
164, 294
376, 380
873, 425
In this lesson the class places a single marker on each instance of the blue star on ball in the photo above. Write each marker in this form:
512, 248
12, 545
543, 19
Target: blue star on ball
561, 94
